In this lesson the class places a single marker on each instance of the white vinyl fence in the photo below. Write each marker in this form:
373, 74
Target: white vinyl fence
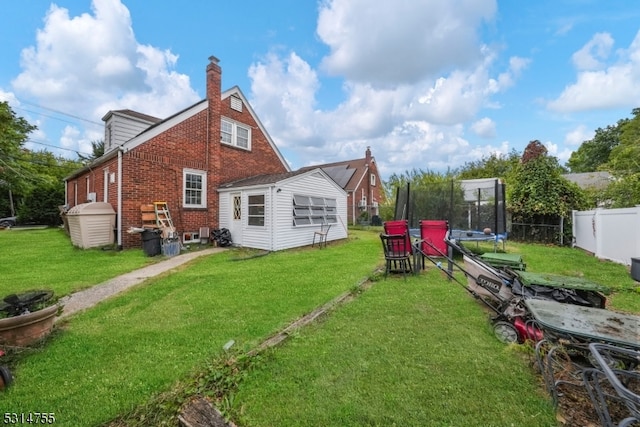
612, 234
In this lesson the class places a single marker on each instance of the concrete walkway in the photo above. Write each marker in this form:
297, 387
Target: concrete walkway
87, 298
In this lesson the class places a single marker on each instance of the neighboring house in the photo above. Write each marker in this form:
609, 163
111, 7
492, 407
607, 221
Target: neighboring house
180, 160
590, 180
281, 211
359, 178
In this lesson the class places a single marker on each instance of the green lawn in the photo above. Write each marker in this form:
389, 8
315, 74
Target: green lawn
105, 361
414, 352
45, 258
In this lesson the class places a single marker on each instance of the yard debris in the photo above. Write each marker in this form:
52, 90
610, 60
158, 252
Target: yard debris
201, 413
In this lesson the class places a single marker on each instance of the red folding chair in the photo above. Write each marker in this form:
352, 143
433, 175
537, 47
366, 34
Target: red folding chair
399, 226
433, 232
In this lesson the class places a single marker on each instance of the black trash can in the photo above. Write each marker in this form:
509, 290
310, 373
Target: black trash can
151, 242
635, 269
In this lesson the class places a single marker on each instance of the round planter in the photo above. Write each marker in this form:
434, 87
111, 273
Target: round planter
23, 330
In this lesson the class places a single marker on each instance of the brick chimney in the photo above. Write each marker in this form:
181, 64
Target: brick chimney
214, 80
214, 112
367, 156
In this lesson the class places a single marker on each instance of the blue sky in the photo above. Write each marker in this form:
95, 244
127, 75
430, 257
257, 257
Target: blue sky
427, 84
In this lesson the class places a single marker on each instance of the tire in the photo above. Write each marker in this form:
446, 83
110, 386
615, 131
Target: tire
15, 304
5, 224
505, 332
5, 377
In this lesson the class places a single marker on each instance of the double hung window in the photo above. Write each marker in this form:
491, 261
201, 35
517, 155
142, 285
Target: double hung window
194, 184
236, 134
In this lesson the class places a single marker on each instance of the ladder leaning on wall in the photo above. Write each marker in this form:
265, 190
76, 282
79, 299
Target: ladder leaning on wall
163, 220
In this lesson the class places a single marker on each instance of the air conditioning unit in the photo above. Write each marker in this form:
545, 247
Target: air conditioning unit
362, 203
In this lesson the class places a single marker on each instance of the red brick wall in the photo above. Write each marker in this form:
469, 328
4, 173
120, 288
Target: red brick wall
153, 171
237, 163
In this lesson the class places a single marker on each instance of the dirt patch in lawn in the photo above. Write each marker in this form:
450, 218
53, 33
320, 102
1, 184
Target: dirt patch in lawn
575, 406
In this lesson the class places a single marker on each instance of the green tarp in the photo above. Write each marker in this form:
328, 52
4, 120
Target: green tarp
558, 281
499, 260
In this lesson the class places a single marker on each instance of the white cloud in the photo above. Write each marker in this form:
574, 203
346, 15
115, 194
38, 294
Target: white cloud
484, 128
578, 135
402, 41
602, 86
409, 115
592, 54
284, 94
562, 154
9, 97
90, 63
408, 124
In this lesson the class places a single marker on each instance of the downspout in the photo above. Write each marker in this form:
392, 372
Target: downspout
353, 208
272, 219
119, 213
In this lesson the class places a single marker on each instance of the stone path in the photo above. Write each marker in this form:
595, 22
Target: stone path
87, 298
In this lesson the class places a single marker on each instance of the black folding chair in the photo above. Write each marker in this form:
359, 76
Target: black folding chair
397, 253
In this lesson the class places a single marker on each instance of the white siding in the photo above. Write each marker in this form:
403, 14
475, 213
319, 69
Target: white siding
279, 232
224, 211
122, 129
253, 236
287, 236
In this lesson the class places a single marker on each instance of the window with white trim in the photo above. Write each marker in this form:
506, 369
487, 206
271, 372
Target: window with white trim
311, 210
236, 134
256, 210
373, 180
194, 184
191, 237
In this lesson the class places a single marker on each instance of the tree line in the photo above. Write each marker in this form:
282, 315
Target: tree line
536, 187
31, 181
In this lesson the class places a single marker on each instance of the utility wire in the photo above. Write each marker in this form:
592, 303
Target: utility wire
59, 148
52, 116
59, 112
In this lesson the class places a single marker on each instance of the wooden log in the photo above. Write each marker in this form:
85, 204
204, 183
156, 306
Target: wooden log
201, 413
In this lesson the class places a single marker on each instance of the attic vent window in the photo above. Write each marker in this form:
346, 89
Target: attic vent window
236, 103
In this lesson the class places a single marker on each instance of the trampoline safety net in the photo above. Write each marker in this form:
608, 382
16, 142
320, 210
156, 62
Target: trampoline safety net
473, 204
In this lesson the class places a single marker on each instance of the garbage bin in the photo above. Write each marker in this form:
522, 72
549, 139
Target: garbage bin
635, 269
151, 242
91, 224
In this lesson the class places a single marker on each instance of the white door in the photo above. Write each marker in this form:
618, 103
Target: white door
236, 218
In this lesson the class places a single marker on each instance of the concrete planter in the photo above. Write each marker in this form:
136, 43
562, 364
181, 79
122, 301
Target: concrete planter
23, 330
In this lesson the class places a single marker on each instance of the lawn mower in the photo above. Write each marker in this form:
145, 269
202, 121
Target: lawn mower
504, 291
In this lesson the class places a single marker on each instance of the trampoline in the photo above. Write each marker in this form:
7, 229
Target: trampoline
469, 206
479, 236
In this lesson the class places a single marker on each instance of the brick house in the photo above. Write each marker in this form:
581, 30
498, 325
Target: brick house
181, 160
361, 181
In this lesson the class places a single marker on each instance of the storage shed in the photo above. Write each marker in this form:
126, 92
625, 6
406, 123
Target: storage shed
282, 211
91, 224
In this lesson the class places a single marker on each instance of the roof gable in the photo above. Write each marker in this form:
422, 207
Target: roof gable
235, 91
348, 174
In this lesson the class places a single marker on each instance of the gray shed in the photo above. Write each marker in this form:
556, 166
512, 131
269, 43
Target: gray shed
92, 224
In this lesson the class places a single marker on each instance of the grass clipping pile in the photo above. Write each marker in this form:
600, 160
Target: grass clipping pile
575, 407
